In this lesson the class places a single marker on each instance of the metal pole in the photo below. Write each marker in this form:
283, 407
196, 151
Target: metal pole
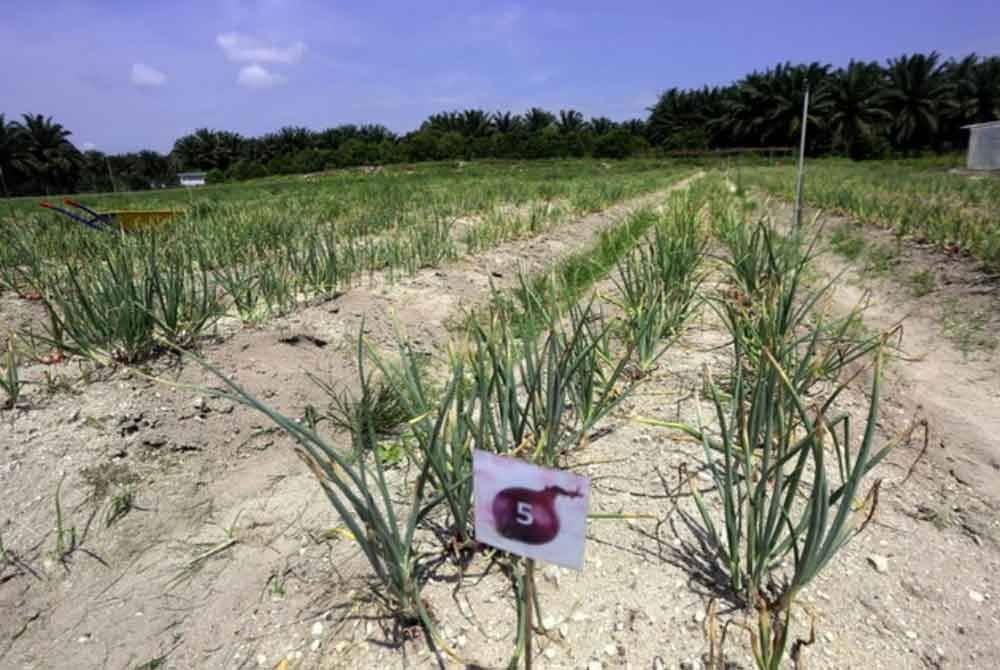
802, 160
529, 602
111, 176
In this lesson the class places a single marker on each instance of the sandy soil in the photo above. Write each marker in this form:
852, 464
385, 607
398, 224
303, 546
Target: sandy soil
228, 560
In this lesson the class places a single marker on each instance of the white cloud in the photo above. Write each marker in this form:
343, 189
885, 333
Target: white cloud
88, 146
144, 75
241, 48
257, 76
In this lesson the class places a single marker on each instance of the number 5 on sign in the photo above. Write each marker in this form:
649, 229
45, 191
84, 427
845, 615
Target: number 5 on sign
524, 515
530, 511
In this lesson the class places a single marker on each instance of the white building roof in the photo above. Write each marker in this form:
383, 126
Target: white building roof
987, 124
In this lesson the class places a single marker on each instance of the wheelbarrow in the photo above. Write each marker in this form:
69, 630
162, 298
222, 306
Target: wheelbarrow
127, 220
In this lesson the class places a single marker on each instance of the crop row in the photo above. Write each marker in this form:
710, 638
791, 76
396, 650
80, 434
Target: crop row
119, 297
950, 210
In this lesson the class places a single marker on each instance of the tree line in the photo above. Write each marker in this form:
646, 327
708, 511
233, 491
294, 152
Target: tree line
913, 103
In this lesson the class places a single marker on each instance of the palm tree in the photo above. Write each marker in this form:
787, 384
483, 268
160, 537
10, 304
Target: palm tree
476, 123
636, 127
917, 96
293, 139
767, 106
686, 119
977, 88
855, 110
537, 119
48, 158
376, 132
506, 122
216, 149
444, 122
602, 125
10, 149
570, 121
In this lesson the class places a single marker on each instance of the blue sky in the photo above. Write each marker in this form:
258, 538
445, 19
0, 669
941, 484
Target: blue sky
130, 74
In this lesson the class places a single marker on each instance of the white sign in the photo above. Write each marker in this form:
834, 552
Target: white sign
529, 510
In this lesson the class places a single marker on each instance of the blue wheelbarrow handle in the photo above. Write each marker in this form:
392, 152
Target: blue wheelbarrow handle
103, 218
75, 217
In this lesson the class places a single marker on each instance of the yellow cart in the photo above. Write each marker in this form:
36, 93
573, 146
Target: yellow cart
128, 220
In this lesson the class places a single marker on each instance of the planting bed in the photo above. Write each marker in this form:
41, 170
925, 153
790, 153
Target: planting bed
150, 522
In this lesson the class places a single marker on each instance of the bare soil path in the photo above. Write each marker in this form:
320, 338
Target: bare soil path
950, 371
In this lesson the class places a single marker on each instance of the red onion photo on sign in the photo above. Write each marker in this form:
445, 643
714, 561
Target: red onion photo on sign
529, 510
528, 515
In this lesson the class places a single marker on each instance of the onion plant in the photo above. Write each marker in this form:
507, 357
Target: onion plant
377, 407
357, 487
444, 430
773, 304
788, 466
594, 389
540, 395
656, 284
10, 380
116, 310
790, 476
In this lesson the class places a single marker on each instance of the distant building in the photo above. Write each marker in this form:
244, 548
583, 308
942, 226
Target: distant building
191, 178
984, 146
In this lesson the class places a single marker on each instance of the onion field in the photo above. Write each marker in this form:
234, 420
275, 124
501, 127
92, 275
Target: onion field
245, 437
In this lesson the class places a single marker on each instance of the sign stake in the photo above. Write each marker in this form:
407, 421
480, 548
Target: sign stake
529, 608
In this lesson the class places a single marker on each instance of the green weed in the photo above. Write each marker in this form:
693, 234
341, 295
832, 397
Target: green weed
847, 242
881, 259
968, 329
921, 283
